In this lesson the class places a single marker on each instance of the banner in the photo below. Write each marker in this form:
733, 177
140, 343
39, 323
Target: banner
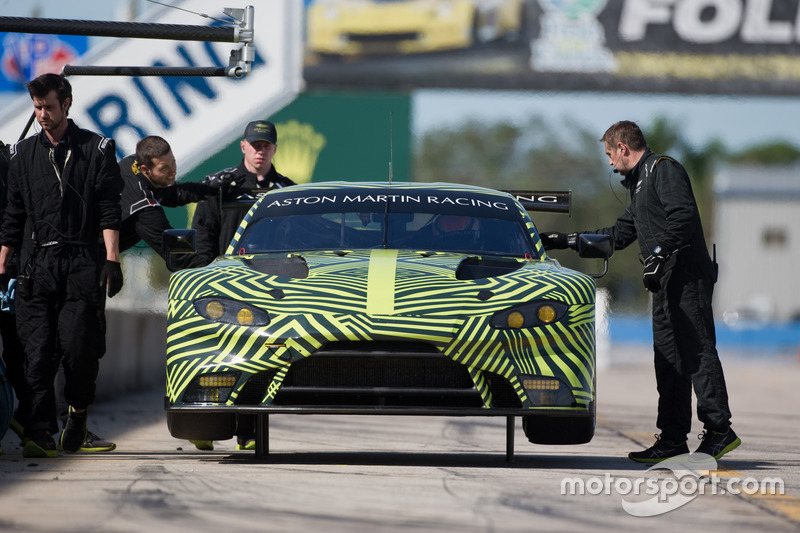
196, 115
26, 56
686, 46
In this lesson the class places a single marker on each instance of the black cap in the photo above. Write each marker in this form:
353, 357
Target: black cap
261, 130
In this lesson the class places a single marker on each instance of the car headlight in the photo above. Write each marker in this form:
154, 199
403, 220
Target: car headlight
230, 311
529, 315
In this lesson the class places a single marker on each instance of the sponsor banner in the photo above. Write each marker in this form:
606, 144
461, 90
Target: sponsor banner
25, 56
196, 115
290, 203
694, 46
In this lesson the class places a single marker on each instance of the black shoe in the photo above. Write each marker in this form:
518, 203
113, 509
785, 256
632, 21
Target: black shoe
93, 443
662, 449
716, 443
41, 445
75, 432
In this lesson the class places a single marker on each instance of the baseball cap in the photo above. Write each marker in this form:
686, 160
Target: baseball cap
261, 130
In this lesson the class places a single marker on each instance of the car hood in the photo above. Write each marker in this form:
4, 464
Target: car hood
383, 282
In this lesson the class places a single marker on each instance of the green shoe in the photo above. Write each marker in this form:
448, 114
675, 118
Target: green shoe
17, 428
246, 444
205, 445
40, 446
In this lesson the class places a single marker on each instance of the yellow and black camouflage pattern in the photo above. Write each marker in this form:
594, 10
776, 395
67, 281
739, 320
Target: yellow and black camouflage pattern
383, 295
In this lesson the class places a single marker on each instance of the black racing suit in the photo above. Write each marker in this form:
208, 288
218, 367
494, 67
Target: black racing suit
216, 226
143, 216
53, 216
13, 352
663, 217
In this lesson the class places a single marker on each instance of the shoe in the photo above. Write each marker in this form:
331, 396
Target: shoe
245, 443
40, 446
75, 432
17, 428
662, 449
716, 443
205, 445
93, 443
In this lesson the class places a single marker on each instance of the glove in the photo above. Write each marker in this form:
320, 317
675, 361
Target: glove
654, 268
223, 180
4, 279
553, 240
111, 278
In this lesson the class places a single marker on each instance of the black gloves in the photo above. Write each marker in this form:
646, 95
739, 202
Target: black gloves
223, 180
654, 268
553, 240
111, 278
4, 279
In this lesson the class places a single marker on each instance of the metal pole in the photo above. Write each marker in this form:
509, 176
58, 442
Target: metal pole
129, 30
510, 439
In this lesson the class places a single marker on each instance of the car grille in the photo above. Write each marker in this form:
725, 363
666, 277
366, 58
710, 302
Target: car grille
378, 374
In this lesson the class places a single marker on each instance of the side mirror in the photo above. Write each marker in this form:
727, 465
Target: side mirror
596, 246
178, 241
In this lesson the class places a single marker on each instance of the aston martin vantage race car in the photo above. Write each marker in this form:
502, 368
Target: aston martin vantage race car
388, 299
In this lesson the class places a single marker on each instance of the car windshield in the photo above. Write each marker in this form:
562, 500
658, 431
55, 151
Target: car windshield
349, 230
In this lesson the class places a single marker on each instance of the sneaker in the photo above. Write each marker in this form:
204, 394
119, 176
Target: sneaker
716, 443
662, 449
205, 445
17, 428
40, 446
93, 443
75, 432
245, 443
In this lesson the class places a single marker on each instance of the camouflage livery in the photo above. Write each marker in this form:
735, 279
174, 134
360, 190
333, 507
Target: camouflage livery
382, 329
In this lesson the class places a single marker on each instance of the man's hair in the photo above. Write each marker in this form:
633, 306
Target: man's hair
149, 148
40, 87
626, 132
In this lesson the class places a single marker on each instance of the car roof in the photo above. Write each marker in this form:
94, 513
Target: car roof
396, 185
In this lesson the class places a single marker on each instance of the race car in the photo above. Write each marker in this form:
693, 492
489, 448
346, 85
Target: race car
384, 299
355, 27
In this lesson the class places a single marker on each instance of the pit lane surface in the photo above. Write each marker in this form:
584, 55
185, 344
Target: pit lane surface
350, 473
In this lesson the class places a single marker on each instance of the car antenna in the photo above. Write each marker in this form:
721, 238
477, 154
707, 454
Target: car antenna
390, 147
386, 208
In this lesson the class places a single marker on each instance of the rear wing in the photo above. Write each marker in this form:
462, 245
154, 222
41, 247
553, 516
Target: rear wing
544, 201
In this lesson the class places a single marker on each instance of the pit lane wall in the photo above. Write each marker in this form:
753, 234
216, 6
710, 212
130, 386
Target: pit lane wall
135, 358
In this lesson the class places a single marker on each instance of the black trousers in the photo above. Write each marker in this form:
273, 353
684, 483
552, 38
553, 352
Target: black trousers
686, 357
14, 359
61, 317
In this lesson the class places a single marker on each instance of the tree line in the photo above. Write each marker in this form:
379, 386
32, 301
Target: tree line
538, 155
